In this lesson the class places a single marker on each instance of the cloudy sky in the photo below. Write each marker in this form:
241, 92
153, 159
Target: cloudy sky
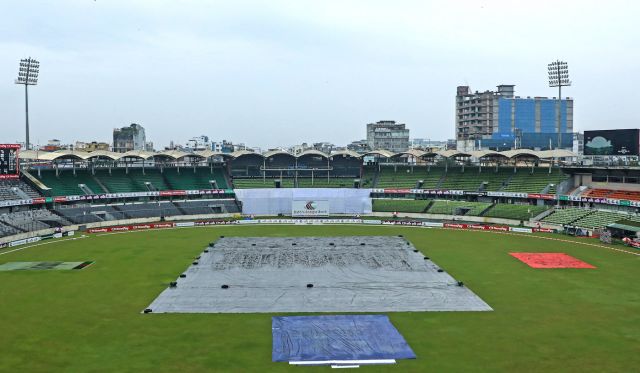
275, 73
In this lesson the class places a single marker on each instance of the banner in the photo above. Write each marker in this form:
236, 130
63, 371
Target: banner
309, 208
521, 230
134, 227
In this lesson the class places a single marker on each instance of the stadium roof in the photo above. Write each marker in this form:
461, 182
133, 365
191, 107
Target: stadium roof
520, 153
452, 153
349, 153
272, 153
412, 152
177, 154
210, 153
381, 152
556, 153
486, 154
138, 154
104, 154
241, 153
313, 152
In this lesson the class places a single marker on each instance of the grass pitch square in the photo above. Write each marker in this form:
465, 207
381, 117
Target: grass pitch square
550, 260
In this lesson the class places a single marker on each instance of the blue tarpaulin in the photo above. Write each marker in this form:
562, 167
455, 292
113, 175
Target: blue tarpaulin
337, 337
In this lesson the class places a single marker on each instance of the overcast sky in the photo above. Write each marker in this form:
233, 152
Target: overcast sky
276, 73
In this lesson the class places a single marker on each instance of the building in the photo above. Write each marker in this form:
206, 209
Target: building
52, 145
129, 138
199, 143
359, 146
91, 146
388, 135
498, 120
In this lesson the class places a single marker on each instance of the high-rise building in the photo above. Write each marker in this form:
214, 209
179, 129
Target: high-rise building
388, 135
129, 138
499, 120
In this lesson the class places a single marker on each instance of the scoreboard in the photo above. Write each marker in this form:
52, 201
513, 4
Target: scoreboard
9, 161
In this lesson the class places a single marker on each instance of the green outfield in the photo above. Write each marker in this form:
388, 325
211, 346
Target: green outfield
544, 320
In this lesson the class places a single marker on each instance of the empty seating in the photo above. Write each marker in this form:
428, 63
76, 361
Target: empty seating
399, 205
448, 207
193, 179
517, 212
322, 182
566, 216
33, 220
400, 176
470, 179
7, 191
66, 182
597, 193
149, 175
525, 181
260, 183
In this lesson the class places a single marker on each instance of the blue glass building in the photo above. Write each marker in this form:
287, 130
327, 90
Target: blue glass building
501, 121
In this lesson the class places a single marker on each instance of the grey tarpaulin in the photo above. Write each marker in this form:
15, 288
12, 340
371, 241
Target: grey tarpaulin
315, 274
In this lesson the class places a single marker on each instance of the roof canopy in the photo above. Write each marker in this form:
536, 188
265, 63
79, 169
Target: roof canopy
348, 153
177, 154
381, 152
313, 152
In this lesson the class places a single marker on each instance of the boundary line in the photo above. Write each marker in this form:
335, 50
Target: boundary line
359, 225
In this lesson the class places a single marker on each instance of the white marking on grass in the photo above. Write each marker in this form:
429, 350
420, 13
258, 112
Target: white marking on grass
40, 244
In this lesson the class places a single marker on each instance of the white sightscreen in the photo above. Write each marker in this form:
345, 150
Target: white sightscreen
274, 201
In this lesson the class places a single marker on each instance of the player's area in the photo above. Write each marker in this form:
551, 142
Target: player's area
337, 340
314, 274
550, 260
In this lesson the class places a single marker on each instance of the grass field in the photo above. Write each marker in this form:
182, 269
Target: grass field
564, 320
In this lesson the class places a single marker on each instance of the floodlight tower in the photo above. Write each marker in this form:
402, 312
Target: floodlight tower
28, 75
559, 77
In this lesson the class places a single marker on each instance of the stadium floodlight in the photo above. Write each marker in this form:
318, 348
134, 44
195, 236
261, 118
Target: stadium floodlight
559, 77
28, 75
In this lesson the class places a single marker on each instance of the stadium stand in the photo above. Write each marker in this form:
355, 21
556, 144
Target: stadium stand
565, 216
118, 181
399, 205
7, 230
16, 189
449, 207
67, 184
400, 177
32, 220
518, 212
86, 213
152, 176
198, 178
525, 181
469, 180
260, 183
322, 182
613, 194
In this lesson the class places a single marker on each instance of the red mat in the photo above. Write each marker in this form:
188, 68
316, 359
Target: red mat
550, 260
